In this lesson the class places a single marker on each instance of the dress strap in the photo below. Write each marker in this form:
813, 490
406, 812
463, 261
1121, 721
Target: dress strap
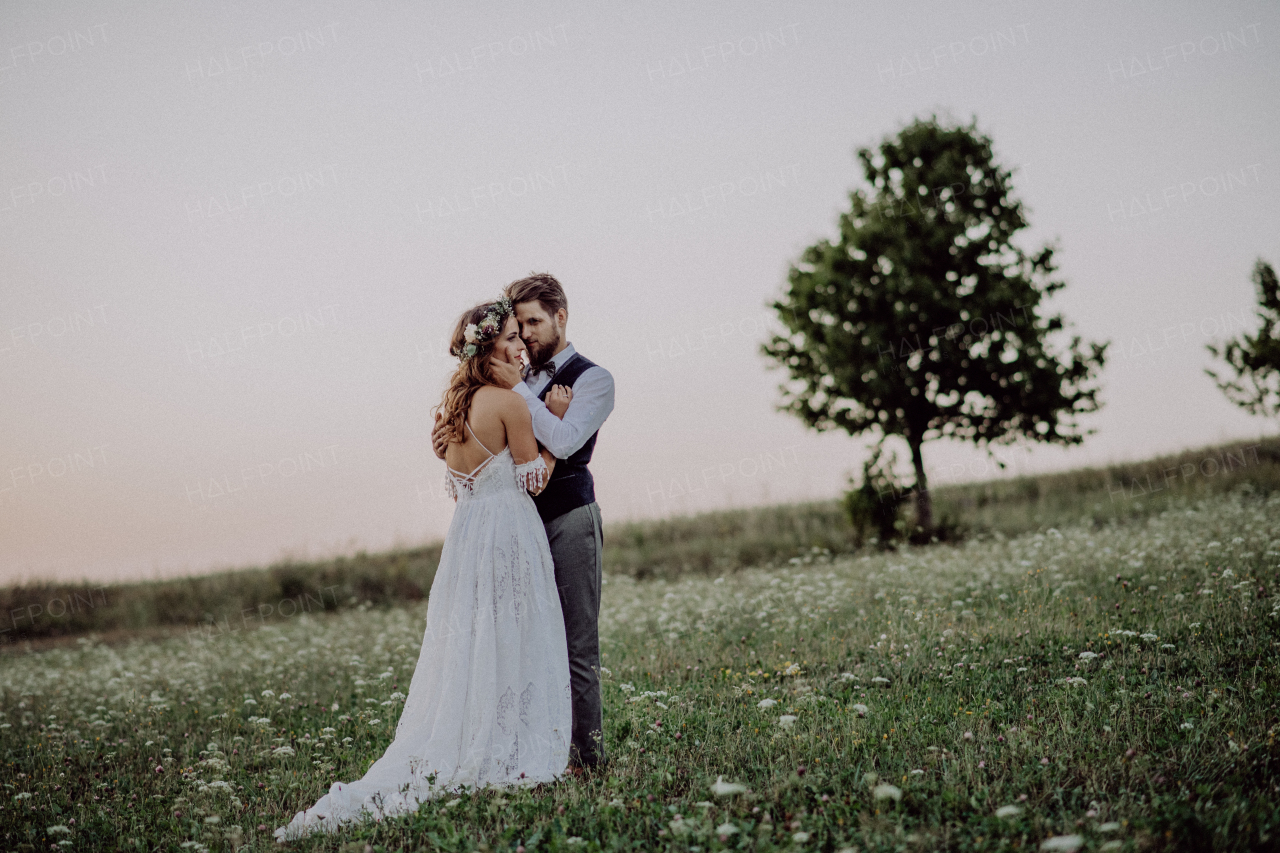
477, 438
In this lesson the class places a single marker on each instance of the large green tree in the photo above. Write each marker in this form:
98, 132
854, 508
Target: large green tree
1255, 359
923, 319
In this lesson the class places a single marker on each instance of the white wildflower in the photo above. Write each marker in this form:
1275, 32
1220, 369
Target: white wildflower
886, 791
1008, 811
722, 788
1063, 842
766, 703
787, 720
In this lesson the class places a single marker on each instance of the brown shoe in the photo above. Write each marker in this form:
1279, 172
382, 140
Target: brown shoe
574, 770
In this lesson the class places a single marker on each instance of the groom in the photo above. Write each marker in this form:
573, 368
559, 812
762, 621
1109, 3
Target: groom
568, 503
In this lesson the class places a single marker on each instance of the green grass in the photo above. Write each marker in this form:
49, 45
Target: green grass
1114, 494
1168, 743
709, 543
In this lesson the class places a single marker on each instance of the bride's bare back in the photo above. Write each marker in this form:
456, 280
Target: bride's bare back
498, 418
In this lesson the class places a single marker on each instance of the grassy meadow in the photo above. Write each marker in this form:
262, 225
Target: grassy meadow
711, 543
1098, 685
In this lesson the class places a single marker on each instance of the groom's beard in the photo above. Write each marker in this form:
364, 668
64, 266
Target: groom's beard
540, 353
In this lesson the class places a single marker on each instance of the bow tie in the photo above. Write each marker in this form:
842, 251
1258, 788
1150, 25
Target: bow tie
549, 368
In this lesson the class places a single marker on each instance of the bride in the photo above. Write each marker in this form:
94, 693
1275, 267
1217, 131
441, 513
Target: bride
489, 702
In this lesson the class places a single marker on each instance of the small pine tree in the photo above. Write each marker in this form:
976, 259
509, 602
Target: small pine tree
1255, 359
875, 502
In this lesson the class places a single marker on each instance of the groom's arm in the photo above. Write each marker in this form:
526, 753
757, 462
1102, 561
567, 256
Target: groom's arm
592, 402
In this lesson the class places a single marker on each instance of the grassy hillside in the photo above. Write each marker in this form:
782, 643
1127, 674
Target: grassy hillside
711, 543
1100, 688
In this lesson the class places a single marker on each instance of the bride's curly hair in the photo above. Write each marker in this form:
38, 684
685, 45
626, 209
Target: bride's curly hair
473, 372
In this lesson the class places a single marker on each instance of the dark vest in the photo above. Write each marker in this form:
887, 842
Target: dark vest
571, 485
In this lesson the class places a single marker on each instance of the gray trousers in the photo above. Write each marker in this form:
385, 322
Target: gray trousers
577, 549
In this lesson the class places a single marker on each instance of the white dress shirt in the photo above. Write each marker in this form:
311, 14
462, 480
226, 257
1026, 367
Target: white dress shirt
591, 404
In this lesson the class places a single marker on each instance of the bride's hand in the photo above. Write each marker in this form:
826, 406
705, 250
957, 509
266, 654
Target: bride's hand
558, 400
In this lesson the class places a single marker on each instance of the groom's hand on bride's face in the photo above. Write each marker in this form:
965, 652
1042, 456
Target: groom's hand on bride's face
506, 373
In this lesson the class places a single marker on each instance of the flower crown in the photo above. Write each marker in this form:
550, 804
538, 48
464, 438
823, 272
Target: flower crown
487, 329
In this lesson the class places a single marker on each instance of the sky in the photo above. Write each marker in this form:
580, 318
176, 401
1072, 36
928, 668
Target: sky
234, 238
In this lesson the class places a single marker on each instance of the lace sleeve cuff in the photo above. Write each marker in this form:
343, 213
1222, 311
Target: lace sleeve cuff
532, 476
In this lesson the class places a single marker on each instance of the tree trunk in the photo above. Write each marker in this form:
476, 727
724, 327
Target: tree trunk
924, 500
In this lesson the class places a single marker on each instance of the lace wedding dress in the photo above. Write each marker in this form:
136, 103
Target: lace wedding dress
489, 703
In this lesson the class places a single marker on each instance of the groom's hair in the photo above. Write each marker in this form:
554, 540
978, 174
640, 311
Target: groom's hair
542, 287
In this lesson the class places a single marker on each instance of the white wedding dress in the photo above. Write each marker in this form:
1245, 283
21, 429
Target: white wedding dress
489, 703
